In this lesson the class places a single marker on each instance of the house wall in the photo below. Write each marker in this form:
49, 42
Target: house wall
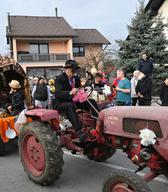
41, 64
22, 46
54, 46
58, 47
92, 49
164, 13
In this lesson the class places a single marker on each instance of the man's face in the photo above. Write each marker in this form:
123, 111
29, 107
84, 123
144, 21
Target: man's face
41, 81
144, 56
98, 79
166, 81
69, 72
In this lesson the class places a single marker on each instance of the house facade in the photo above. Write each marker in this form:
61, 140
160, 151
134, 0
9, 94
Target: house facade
42, 44
159, 8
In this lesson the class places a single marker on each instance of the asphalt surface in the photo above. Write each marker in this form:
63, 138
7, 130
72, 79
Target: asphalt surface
79, 174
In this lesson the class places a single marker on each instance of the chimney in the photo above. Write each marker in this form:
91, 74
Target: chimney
9, 23
56, 12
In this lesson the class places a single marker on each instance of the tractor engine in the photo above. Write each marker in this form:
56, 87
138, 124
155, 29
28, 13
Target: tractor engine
145, 156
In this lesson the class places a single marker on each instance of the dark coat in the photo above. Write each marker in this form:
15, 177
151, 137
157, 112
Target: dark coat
144, 87
16, 100
63, 88
146, 67
41, 93
164, 94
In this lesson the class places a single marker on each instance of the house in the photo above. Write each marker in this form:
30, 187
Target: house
159, 7
42, 44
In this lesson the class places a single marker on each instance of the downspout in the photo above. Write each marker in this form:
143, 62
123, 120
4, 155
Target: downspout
10, 38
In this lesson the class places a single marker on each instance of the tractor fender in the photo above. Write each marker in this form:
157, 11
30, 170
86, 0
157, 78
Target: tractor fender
43, 114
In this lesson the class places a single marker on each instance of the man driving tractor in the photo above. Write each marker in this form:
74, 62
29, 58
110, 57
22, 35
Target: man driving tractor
67, 86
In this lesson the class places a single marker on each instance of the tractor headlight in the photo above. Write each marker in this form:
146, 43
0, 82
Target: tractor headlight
145, 154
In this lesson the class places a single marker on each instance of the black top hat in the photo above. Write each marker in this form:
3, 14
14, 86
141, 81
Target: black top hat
71, 64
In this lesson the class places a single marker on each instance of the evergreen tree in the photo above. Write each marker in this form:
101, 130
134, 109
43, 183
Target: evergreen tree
146, 33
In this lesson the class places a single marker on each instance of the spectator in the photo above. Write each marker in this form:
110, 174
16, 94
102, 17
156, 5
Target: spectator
116, 80
134, 82
51, 86
114, 85
123, 90
145, 64
98, 87
41, 93
89, 79
97, 83
164, 93
144, 89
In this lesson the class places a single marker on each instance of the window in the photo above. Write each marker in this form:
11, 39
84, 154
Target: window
131, 125
38, 48
78, 51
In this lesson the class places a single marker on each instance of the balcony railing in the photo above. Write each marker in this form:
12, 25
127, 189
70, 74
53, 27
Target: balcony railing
43, 57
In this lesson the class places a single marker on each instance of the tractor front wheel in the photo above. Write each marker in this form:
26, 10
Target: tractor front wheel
125, 181
40, 152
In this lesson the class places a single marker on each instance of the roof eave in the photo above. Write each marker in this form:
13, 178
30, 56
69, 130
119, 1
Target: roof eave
154, 5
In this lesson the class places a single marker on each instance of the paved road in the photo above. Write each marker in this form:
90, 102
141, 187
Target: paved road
79, 175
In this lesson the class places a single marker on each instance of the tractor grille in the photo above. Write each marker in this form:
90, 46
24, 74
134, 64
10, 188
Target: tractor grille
131, 125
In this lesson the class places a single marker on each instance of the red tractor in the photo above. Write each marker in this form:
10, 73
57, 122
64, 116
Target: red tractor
141, 132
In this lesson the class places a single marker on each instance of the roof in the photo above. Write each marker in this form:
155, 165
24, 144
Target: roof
154, 5
32, 26
89, 36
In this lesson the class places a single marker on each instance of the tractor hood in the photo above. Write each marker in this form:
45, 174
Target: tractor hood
127, 120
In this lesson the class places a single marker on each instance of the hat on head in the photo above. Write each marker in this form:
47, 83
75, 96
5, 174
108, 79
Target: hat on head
15, 84
71, 64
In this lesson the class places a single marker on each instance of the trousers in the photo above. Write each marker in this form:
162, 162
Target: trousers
69, 108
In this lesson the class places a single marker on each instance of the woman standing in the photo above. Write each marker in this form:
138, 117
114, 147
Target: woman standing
134, 82
41, 94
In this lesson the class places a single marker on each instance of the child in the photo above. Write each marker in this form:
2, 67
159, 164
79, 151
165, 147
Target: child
164, 93
16, 98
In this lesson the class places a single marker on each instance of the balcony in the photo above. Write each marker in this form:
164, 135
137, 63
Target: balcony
43, 57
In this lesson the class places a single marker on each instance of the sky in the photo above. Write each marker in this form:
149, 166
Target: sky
110, 17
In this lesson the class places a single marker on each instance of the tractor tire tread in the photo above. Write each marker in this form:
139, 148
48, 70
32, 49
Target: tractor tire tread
54, 158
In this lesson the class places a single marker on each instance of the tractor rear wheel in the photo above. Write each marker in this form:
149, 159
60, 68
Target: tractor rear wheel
40, 152
125, 181
99, 152
2, 147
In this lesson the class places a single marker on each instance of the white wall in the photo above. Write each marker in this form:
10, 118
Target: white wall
163, 11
